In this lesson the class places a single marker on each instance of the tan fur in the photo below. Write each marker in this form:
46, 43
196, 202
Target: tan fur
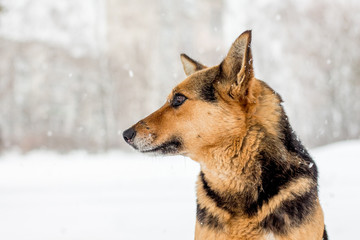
225, 137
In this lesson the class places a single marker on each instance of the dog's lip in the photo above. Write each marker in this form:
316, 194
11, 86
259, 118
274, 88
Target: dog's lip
155, 149
170, 146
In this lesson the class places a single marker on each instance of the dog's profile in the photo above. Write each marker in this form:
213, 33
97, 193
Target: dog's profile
257, 181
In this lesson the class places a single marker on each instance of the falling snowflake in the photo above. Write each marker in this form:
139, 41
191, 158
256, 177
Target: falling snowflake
131, 74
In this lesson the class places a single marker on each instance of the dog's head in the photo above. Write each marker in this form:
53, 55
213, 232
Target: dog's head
207, 109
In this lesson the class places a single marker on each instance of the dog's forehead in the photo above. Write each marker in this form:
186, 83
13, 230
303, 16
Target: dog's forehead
198, 80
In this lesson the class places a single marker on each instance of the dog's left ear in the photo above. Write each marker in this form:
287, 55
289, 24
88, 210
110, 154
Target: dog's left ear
190, 65
238, 67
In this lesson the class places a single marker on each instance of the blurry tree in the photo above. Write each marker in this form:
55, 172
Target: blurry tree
74, 74
308, 51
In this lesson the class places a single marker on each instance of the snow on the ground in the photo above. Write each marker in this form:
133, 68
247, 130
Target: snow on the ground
339, 165
47, 196
77, 196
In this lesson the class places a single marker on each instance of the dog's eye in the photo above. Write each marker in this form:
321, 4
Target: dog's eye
178, 100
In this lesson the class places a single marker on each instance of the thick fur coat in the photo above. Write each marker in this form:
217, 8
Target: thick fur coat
257, 180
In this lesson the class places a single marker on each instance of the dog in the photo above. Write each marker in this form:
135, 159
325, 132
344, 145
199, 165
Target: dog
257, 181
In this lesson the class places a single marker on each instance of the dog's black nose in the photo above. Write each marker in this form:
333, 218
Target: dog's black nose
129, 135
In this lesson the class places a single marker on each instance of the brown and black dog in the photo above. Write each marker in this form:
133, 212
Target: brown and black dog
257, 181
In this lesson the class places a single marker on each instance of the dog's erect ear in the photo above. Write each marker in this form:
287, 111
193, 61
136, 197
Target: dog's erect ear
190, 65
238, 66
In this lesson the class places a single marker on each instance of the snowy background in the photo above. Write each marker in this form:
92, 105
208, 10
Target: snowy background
129, 196
74, 74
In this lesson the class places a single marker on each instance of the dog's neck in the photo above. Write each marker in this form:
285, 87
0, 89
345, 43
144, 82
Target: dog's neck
234, 167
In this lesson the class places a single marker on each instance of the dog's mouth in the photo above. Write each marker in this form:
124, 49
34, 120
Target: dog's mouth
170, 147
145, 143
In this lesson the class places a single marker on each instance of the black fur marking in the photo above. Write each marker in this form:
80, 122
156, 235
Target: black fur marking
207, 219
325, 236
275, 223
220, 201
207, 93
295, 211
276, 172
170, 147
300, 207
293, 144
